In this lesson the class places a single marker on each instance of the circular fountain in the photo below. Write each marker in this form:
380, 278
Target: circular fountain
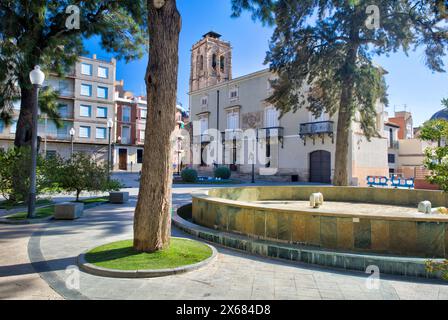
358, 220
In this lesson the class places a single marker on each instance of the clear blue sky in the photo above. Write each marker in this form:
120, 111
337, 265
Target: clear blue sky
410, 82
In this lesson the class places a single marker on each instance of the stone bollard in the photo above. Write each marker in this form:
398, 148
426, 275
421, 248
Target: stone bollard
316, 200
68, 211
425, 207
118, 197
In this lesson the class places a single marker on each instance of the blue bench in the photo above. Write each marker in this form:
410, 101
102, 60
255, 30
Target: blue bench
395, 182
398, 182
374, 181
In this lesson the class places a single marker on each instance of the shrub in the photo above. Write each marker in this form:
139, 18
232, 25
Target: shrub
442, 267
82, 173
189, 175
15, 174
223, 173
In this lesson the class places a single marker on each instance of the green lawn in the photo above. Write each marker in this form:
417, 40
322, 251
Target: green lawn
95, 200
6, 205
121, 256
41, 213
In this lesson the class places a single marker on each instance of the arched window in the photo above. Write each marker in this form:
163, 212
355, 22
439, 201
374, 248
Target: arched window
201, 63
222, 61
214, 62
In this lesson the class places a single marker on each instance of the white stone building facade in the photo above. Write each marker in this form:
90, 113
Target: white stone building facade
297, 146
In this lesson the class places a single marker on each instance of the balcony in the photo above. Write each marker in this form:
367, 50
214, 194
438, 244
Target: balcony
49, 131
232, 134
270, 132
66, 94
394, 145
315, 130
203, 138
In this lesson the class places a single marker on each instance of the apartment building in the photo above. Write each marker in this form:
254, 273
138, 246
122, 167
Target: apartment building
131, 116
297, 147
85, 104
391, 132
130, 122
404, 120
406, 151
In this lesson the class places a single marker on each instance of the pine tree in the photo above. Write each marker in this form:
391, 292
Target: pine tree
326, 48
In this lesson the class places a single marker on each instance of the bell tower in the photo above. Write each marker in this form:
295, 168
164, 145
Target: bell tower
211, 62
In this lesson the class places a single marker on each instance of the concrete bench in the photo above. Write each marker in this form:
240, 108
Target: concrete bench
118, 197
68, 211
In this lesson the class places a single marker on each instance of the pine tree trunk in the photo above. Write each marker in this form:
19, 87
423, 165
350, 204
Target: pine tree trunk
23, 137
25, 122
152, 221
344, 121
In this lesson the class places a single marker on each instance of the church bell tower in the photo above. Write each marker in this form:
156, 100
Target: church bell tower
211, 62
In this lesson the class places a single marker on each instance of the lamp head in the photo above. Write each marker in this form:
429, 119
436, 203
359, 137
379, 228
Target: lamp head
110, 123
37, 77
72, 132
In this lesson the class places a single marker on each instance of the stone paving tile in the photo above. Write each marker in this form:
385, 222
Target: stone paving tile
331, 294
234, 275
18, 279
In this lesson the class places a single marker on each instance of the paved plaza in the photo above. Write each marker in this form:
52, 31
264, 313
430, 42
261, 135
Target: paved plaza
36, 260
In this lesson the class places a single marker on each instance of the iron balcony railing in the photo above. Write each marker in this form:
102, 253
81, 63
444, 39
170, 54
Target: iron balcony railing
272, 132
320, 127
203, 138
394, 145
231, 134
315, 130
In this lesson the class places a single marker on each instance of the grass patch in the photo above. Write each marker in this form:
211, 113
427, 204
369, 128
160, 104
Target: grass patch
95, 200
122, 256
41, 213
8, 205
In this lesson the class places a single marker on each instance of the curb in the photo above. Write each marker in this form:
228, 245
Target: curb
24, 222
401, 266
139, 274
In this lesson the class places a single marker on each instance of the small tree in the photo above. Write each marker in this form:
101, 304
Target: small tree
82, 173
436, 160
435, 131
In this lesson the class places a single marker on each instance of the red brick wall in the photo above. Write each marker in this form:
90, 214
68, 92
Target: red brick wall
400, 121
132, 124
119, 117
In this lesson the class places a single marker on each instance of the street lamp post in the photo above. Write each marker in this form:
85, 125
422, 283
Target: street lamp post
253, 160
37, 78
179, 146
110, 124
72, 134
